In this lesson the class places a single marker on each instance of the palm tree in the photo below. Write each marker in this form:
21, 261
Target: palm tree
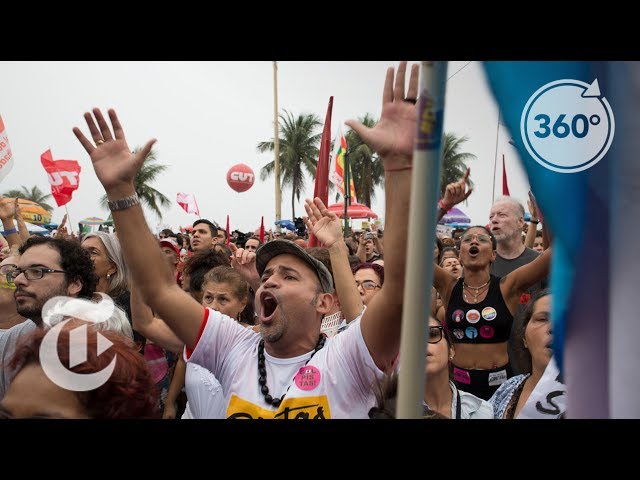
366, 165
149, 196
298, 152
35, 195
453, 164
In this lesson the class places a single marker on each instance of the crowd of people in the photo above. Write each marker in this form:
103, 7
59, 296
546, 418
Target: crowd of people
210, 325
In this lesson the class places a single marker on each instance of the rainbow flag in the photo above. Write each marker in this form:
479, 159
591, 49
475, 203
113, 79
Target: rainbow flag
336, 169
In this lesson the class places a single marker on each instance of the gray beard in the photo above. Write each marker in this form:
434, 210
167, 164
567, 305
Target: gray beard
275, 332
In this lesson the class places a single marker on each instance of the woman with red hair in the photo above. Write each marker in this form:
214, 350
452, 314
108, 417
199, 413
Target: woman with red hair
129, 392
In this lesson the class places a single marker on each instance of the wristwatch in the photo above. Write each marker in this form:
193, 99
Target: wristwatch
124, 202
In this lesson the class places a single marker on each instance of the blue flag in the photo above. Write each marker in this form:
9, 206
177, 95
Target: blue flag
564, 127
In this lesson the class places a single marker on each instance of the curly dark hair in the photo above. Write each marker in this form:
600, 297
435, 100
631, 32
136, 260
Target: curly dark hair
199, 264
75, 261
128, 393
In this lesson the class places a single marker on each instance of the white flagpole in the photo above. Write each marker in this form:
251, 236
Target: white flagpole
69, 220
427, 158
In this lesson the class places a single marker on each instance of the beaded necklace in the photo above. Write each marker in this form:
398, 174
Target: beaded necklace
262, 372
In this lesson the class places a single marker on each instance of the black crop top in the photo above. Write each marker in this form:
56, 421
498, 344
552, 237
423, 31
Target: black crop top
486, 322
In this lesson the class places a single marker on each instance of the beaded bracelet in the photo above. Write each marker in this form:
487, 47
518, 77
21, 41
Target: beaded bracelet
443, 206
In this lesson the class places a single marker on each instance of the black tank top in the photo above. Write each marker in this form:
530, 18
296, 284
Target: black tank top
486, 322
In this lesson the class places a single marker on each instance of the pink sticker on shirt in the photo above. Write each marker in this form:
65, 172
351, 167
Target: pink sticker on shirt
307, 378
461, 376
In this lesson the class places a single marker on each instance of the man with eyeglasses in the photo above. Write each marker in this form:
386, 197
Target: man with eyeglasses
506, 221
47, 267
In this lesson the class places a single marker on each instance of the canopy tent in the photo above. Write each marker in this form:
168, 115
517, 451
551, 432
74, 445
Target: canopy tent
32, 228
288, 224
92, 221
455, 215
355, 210
32, 212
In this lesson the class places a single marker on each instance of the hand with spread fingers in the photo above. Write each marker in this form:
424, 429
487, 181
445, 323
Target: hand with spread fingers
112, 160
322, 222
394, 134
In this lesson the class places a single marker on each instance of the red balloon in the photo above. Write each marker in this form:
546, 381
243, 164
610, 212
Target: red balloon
240, 177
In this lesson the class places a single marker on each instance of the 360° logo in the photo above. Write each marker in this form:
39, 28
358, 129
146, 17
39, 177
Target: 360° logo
567, 125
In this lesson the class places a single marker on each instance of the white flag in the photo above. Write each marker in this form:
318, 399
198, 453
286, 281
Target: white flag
188, 203
549, 397
6, 157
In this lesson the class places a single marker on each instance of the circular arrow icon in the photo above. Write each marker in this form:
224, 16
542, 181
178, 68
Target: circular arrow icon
567, 125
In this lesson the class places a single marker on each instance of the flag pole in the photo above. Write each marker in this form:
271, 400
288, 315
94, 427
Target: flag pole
427, 160
347, 193
276, 141
321, 187
69, 220
495, 160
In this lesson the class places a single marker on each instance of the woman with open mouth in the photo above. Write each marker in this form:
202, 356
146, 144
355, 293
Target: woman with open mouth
479, 310
534, 342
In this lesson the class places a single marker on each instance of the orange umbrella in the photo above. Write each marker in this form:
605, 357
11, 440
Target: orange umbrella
32, 212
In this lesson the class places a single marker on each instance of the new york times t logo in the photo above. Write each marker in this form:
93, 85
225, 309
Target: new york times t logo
50, 361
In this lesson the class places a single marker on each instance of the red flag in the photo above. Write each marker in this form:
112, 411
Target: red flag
228, 233
63, 175
262, 230
188, 202
505, 187
321, 188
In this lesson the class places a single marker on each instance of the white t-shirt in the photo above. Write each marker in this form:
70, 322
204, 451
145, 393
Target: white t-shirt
338, 382
204, 393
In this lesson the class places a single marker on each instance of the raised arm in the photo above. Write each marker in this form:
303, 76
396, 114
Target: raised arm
151, 327
116, 168
325, 225
376, 242
7, 213
392, 137
533, 222
244, 262
517, 282
455, 193
22, 226
360, 251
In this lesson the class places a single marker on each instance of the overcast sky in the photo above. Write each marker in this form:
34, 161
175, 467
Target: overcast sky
209, 116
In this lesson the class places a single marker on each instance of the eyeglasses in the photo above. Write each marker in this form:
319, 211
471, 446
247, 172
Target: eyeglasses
435, 334
481, 237
32, 273
368, 285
